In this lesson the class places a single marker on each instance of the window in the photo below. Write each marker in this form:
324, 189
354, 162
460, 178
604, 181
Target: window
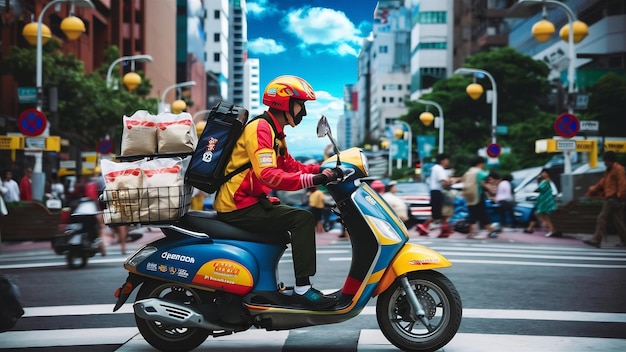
216, 57
383, 49
384, 99
216, 37
391, 99
430, 17
216, 14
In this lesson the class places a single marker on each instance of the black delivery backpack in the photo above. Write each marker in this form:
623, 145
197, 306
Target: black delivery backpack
224, 125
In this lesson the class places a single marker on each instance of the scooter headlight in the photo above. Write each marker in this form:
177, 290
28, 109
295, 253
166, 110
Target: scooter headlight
141, 255
384, 228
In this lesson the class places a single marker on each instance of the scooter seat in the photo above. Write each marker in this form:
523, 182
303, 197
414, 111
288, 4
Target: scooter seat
207, 222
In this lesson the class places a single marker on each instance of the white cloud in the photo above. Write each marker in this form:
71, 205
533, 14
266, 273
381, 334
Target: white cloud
302, 140
265, 46
260, 8
328, 28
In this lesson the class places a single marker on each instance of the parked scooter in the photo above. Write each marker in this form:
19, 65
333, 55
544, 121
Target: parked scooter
206, 277
80, 239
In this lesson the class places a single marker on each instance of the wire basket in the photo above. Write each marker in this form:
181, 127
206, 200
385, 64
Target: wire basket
149, 205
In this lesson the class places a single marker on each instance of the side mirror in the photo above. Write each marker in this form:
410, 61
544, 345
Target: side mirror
323, 128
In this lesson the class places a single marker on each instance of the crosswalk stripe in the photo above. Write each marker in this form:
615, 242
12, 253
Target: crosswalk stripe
520, 314
374, 340
253, 340
66, 337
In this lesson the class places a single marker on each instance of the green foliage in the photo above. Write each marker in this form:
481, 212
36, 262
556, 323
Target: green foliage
87, 110
522, 86
607, 99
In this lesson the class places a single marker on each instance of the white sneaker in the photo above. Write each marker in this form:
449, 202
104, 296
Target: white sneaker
549, 234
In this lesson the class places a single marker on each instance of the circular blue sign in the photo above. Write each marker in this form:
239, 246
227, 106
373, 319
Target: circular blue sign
566, 125
493, 150
32, 122
105, 146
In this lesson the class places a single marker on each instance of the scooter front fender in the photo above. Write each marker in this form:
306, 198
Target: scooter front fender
412, 257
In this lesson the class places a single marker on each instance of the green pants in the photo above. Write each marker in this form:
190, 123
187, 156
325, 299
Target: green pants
276, 220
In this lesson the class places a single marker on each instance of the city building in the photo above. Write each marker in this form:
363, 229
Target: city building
216, 49
237, 42
252, 95
602, 51
432, 37
121, 23
384, 79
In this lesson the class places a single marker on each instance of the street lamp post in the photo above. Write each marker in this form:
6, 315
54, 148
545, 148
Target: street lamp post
200, 113
39, 75
173, 86
571, 69
494, 102
430, 102
132, 59
409, 146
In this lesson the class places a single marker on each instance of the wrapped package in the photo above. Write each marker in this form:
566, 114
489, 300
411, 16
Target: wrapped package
139, 134
123, 188
176, 133
163, 190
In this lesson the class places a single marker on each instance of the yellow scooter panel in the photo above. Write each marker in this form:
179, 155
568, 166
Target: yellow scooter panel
412, 257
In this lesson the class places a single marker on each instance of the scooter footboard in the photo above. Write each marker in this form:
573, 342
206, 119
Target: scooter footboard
412, 257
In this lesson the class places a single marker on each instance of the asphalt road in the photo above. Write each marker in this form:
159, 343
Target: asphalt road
533, 295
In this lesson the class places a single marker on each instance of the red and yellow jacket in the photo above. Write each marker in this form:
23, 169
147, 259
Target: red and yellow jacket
272, 167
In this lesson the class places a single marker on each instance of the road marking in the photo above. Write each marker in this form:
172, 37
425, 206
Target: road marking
509, 262
250, 340
520, 314
66, 337
374, 340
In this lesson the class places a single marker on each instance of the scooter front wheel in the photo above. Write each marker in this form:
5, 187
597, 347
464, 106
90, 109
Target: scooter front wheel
165, 337
442, 306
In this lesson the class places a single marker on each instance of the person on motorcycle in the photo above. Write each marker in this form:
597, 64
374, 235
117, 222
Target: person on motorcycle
243, 201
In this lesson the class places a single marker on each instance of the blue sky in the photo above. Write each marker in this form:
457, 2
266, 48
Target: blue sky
318, 40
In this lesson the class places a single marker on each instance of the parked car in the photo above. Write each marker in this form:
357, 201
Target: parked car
416, 195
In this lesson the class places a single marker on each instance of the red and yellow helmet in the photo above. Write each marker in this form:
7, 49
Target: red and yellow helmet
280, 90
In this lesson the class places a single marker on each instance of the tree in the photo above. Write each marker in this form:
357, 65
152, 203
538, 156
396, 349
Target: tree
87, 109
607, 98
522, 86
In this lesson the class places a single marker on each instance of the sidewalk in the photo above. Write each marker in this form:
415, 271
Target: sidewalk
148, 235
508, 235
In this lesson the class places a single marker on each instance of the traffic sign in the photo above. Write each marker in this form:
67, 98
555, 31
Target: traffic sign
566, 125
32, 122
589, 126
493, 150
105, 146
566, 145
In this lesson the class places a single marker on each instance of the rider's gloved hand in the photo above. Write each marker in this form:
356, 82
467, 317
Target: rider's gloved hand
327, 175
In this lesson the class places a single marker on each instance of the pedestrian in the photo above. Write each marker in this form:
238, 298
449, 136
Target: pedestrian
612, 188
10, 188
316, 206
26, 185
57, 189
242, 201
546, 204
474, 184
533, 220
395, 202
503, 198
439, 180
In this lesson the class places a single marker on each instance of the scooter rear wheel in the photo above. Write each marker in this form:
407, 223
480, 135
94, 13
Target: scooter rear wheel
76, 259
442, 305
165, 337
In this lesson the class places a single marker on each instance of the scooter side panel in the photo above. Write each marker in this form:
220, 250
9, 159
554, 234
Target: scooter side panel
213, 265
